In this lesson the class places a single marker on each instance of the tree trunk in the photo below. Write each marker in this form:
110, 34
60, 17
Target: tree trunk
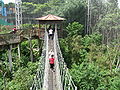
31, 50
40, 44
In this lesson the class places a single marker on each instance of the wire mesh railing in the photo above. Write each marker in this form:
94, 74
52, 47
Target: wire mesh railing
39, 78
66, 79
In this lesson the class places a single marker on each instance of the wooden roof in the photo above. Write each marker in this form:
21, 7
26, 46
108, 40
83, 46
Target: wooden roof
50, 18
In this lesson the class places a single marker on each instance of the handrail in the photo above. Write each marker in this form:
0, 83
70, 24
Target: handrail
57, 65
66, 78
45, 83
39, 78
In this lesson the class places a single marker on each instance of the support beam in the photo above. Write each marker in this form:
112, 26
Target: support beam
19, 51
31, 50
10, 57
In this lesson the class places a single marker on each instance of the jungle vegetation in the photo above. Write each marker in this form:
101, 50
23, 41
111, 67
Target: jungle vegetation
90, 45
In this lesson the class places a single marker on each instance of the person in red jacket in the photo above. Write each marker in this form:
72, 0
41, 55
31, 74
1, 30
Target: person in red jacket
51, 61
14, 30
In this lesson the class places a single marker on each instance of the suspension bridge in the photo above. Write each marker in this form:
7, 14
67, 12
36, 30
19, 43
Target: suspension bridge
45, 78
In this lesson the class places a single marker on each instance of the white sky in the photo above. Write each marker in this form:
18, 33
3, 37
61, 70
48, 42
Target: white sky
8, 1
119, 3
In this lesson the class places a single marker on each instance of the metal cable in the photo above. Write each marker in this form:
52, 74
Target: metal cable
66, 79
39, 78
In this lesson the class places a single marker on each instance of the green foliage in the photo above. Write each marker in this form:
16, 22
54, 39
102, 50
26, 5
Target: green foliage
31, 10
69, 9
115, 83
74, 29
55, 7
64, 8
4, 30
36, 1
94, 38
23, 77
109, 22
72, 10
90, 62
1, 84
86, 76
23, 70
25, 48
75, 47
27, 26
4, 63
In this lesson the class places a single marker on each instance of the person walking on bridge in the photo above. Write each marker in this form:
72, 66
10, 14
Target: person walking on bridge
51, 34
51, 61
51, 52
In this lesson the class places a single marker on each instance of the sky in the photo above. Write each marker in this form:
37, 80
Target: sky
119, 3
8, 1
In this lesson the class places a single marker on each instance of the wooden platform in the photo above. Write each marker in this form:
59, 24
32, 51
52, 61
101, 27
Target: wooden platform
6, 39
20, 35
11, 38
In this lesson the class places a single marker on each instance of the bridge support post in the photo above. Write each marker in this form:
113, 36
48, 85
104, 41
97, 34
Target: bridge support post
19, 51
10, 57
31, 50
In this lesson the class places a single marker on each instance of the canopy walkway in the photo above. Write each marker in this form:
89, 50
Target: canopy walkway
45, 78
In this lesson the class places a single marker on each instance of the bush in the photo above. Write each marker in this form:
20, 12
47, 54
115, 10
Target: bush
74, 29
86, 76
22, 78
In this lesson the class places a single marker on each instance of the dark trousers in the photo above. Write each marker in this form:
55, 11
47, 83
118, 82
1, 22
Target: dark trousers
52, 66
51, 36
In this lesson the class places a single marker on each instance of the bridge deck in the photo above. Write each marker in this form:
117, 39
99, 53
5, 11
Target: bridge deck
52, 76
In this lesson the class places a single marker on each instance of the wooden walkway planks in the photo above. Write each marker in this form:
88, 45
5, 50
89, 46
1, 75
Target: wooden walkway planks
51, 75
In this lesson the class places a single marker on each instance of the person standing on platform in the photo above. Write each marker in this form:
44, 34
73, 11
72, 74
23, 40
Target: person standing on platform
50, 34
